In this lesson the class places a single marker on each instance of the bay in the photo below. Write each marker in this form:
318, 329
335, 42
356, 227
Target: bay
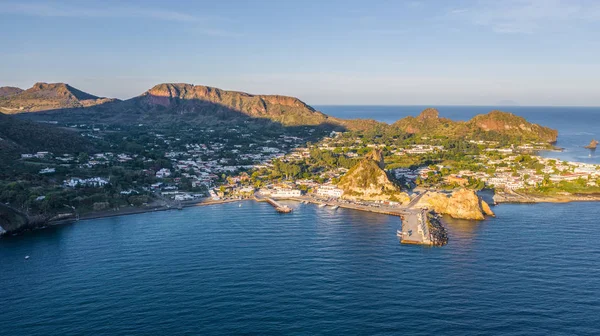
225, 269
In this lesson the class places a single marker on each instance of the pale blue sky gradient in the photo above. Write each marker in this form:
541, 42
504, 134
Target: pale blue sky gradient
474, 52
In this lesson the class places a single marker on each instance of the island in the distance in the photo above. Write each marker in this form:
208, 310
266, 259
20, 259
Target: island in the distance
66, 154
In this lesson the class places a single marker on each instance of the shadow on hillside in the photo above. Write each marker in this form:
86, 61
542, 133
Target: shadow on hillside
185, 114
195, 112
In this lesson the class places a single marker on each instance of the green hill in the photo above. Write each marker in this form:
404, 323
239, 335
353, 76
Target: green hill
21, 136
490, 125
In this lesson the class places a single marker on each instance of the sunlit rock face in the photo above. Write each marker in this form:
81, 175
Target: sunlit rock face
368, 181
462, 204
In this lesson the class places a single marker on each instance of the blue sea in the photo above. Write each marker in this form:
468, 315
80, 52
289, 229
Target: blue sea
228, 270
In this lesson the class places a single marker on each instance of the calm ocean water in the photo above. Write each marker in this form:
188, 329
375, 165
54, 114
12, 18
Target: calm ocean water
224, 269
248, 270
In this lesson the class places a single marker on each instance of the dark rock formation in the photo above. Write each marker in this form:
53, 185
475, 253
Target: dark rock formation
439, 236
12, 220
593, 144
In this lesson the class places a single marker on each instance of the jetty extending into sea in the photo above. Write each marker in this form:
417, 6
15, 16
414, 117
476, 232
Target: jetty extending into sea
419, 226
278, 207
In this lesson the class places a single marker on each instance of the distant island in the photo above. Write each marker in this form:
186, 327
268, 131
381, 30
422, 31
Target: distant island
66, 154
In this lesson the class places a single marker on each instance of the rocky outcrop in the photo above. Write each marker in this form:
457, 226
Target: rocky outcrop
368, 181
439, 235
593, 144
462, 204
12, 220
49, 96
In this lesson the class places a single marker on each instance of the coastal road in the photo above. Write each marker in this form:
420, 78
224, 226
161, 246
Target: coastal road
415, 200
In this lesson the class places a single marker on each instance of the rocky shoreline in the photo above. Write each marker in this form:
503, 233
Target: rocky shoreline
439, 235
34, 223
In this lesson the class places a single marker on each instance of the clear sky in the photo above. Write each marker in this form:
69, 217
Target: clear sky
480, 52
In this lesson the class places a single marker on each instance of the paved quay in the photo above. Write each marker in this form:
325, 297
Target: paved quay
415, 226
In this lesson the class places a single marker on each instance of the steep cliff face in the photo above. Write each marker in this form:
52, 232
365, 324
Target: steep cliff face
462, 204
368, 181
190, 99
44, 97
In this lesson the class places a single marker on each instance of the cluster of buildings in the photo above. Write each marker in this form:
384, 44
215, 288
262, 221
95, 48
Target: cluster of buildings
290, 190
89, 182
419, 149
507, 173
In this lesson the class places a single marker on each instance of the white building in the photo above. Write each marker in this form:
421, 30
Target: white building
329, 190
283, 192
47, 171
91, 182
163, 173
247, 190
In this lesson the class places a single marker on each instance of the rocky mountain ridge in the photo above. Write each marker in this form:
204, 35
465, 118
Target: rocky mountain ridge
6, 91
178, 102
199, 99
45, 96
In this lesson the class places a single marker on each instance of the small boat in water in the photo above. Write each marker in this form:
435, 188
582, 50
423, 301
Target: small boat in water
26, 257
335, 207
322, 205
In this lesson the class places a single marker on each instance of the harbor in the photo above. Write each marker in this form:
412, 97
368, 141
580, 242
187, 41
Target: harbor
278, 207
418, 226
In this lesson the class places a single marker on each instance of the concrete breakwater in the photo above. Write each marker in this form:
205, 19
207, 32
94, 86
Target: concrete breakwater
278, 207
423, 228
419, 227
439, 235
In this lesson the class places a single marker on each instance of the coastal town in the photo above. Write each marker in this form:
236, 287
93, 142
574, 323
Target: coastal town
238, 165
179, 145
